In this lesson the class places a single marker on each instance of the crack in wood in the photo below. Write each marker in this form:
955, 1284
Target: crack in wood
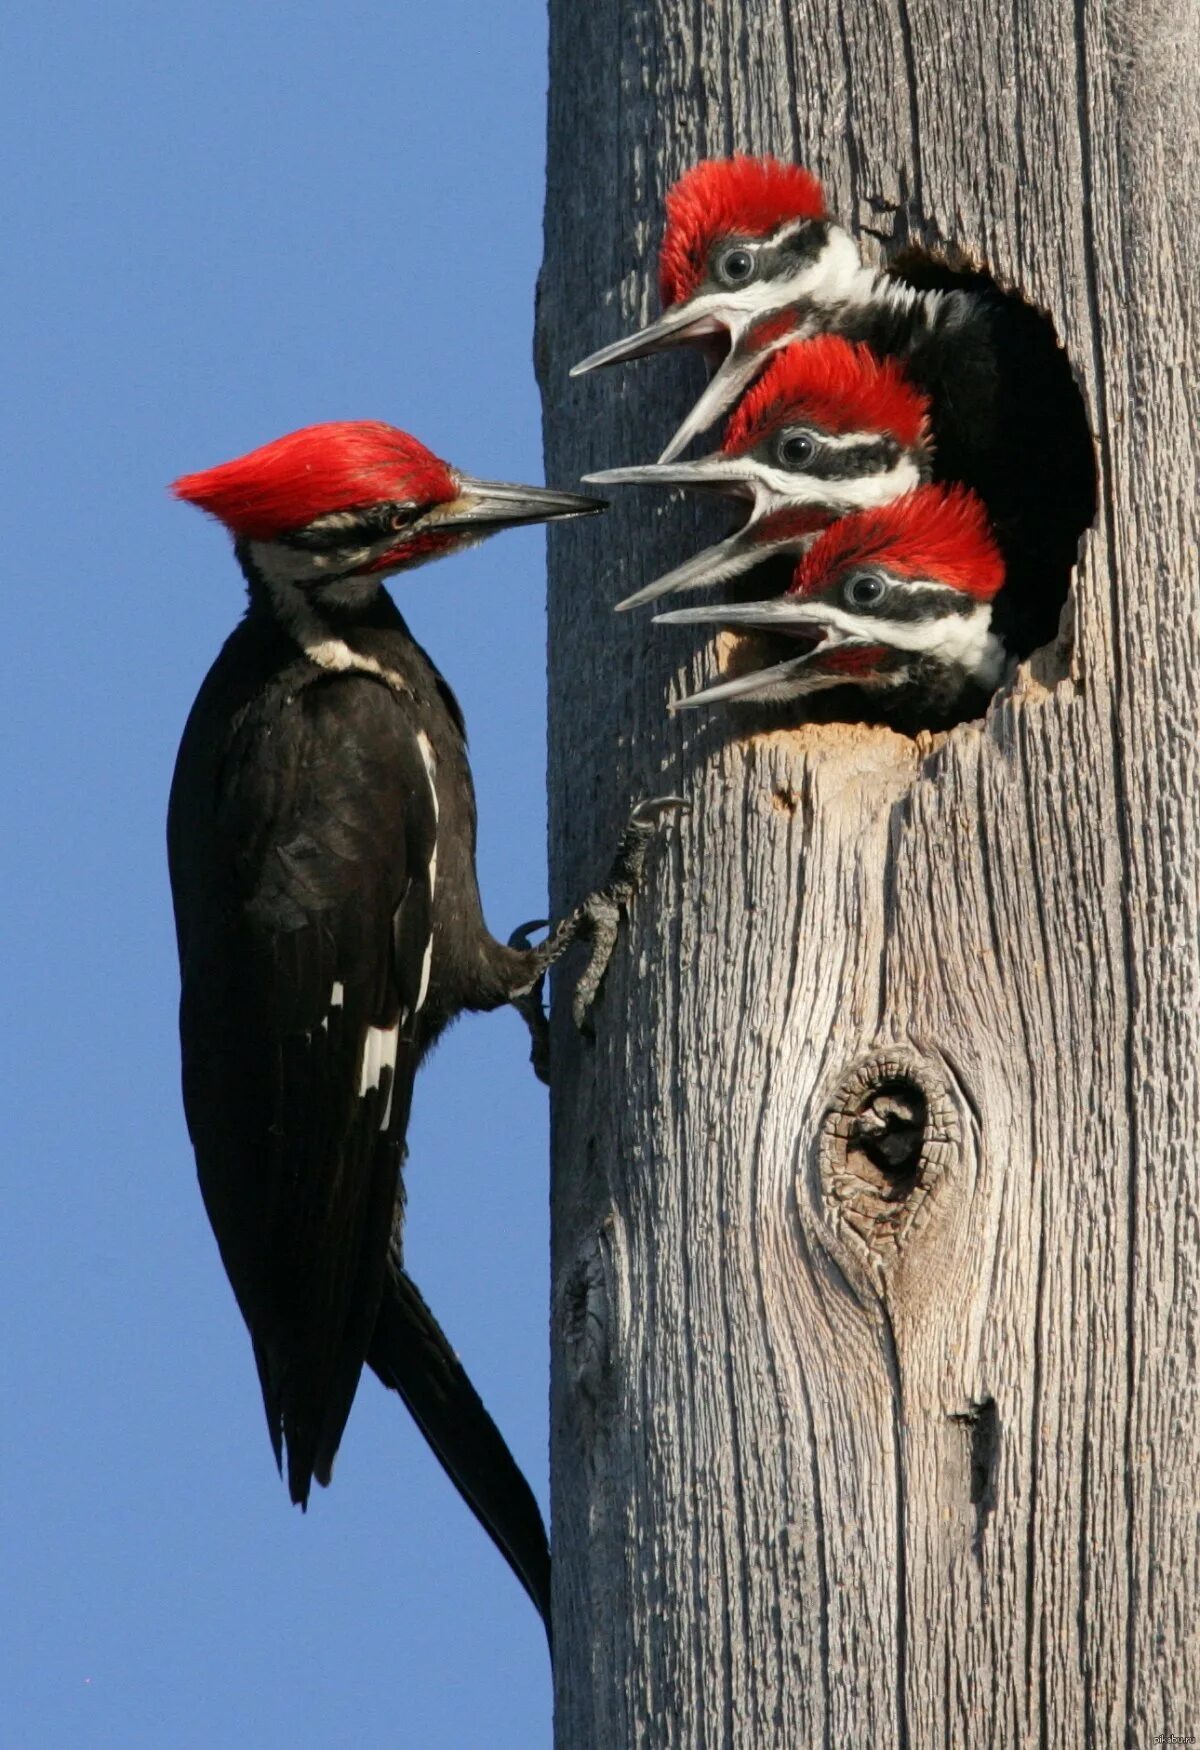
981, 1419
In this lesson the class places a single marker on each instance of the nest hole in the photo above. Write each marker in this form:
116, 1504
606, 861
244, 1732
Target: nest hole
1037, 473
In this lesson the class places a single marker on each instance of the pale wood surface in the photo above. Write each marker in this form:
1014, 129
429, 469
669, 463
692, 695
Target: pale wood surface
780, 1517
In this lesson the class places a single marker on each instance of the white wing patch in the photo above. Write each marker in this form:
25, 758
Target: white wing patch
337, 1000
429, 759
380, 1045
379, 1053
423, 989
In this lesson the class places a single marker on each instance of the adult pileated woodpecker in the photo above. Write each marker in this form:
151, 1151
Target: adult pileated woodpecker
750, 262
827, 429
895, 602
322, 851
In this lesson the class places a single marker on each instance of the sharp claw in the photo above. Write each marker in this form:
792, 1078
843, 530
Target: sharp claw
520, 936
532, 1011
653, 806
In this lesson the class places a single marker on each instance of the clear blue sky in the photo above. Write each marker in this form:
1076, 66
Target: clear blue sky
224, 221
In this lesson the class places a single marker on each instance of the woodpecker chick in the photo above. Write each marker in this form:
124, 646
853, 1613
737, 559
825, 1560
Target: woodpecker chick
828, 429
895, 601
751, 261
321, 842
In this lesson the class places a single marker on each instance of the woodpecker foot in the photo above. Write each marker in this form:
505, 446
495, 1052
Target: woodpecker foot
596, 920
529, 1004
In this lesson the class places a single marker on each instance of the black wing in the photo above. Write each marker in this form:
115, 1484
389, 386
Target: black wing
303, 831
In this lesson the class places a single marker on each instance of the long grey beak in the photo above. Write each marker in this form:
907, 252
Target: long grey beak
718, 473
726, 474
732, 375
674, 328
785, 680
490, 505
778, 614
728, 558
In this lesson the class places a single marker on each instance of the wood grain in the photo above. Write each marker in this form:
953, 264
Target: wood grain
820, 1474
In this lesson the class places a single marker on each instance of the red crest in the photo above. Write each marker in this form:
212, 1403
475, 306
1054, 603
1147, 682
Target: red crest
728, 197
288, 484
936, 532
833, 385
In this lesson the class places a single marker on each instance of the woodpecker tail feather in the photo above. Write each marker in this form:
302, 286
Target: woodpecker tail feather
411, 1354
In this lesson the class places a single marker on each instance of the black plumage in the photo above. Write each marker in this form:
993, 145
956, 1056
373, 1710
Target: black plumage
1008, 421
321, 838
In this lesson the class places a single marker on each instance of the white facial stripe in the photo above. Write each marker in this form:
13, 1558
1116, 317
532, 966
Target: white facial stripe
778, 489
299, 617
844, 440
964, 639
835, 276
837, 273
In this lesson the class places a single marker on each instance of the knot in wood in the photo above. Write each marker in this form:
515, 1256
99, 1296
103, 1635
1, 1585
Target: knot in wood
889, 1134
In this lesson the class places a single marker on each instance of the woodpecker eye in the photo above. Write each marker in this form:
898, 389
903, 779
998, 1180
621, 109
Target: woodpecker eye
796, 449
864, 590
400, 516
736, 267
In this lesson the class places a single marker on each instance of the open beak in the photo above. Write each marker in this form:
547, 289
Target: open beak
486, 506
724, 474
783, 680
689, 322
734, 374
717, 564
769, 529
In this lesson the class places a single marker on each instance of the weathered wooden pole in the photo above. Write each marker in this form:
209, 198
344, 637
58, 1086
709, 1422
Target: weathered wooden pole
839, 1457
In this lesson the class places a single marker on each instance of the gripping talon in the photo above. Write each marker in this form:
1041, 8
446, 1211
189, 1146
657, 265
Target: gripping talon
601, 922
599, 917
598, 921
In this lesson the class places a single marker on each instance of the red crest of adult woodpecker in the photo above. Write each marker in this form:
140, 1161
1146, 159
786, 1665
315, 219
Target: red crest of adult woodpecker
331, 510
896, 600
321, 836
828, 429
